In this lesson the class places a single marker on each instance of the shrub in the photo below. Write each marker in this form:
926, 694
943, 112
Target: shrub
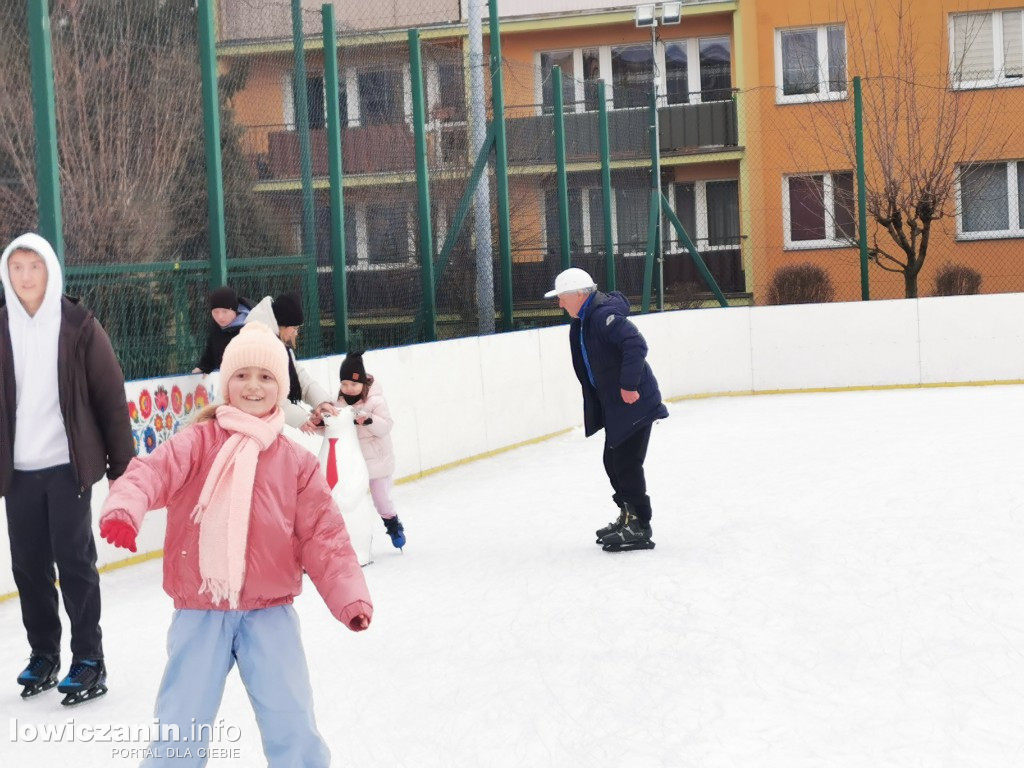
800, 284
957, 280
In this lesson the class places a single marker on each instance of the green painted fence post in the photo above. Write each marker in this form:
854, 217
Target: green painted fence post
339, 280
44, 111
423, 186
211, 140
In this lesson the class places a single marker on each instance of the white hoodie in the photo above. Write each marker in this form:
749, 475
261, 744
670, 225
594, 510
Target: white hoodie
40, 439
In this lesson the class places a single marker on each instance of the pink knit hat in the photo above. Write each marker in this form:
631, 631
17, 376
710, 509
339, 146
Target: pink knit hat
255, 345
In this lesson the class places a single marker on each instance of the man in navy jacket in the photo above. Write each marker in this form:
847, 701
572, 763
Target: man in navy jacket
620, 394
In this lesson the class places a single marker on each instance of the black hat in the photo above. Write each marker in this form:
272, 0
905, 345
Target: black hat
224, 298
288, 309
352, 368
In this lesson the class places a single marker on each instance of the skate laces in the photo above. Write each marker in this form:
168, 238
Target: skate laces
78, 667
35, 663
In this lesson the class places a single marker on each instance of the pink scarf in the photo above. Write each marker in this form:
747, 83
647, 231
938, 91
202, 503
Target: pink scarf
225, 502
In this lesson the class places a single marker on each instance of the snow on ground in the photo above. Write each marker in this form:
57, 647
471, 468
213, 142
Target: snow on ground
837, 582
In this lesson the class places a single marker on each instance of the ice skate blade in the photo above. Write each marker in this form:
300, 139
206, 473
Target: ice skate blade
34, 690
636, 546
80, 697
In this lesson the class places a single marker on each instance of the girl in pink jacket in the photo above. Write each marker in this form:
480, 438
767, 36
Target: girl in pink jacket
373, 426
248, 511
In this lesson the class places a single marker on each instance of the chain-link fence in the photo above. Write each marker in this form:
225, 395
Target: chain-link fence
762, 181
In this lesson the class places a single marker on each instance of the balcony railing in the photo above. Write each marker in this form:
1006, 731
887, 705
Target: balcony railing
388, 148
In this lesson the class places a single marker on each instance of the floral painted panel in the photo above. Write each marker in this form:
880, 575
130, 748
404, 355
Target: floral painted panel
158, 408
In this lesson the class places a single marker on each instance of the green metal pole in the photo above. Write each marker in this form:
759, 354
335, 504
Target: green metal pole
606, 187
211, 140
561, 175
654, 250
338, 260
862, 190
312, 299
652, 236
44, 110
419, 122
501, 166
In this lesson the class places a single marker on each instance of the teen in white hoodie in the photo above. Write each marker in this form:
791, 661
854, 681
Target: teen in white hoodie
63, 425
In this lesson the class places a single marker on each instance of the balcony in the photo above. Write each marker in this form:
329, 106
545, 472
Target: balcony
389, 148
682, 128
368, 149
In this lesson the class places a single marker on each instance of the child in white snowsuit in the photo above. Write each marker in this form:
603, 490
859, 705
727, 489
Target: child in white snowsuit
373, 426
248, 511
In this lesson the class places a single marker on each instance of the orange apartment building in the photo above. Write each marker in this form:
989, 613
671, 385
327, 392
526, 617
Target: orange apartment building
741, 86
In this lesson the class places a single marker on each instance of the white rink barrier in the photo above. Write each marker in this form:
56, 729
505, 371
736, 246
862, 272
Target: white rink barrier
454, 400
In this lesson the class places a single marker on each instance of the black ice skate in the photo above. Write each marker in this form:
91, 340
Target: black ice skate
86, 680
40, 675
635, 534
395, 530
615, 525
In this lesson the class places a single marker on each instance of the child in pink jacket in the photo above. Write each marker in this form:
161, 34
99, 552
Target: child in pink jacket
373, 426
248, 511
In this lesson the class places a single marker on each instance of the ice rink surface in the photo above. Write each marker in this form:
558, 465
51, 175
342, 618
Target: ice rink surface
838, 582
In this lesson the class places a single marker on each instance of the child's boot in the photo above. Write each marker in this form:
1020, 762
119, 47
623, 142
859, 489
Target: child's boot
395, 530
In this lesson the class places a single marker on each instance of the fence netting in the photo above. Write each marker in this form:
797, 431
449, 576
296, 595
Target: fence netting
763, 181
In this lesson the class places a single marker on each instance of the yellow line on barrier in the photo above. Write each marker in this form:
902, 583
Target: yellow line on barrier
479, 456
534, 440
863, 388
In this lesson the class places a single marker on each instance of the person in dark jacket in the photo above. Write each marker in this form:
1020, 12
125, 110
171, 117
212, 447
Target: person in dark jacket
63, 425
620, 395
228, 313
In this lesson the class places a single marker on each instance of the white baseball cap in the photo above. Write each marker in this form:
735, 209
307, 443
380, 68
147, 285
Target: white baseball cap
570, 281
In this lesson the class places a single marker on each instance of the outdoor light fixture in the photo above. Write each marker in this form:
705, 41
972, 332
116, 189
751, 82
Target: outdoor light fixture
671, 13
645, 16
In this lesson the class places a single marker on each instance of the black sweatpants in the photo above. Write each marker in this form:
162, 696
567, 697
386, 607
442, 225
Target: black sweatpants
48, 522
625, 467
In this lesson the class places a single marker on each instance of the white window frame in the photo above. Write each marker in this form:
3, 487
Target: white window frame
700, 202
1013, 206
823, 93
362, 263
354, 109
999, 78
604, 54
830, 240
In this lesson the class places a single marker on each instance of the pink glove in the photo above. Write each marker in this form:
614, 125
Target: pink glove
119, 533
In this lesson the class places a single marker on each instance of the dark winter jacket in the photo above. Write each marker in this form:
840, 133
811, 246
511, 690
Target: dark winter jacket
91, 393
617, 354
217, 338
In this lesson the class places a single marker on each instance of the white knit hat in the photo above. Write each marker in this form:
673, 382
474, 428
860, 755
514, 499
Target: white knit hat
255, 345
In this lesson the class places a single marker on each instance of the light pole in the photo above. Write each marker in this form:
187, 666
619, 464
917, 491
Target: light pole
647, 16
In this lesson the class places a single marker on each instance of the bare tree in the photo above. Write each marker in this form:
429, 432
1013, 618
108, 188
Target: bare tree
919, 133
130, 133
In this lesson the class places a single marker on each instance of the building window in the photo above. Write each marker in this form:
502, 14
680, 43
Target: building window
711, 80
566, 61
709, 212
389, 233
381, 97
987, 49
632, 75
810, 64
696, 70
818, 210
989, 197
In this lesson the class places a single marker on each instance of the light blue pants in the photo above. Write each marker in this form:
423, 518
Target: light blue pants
202, 646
